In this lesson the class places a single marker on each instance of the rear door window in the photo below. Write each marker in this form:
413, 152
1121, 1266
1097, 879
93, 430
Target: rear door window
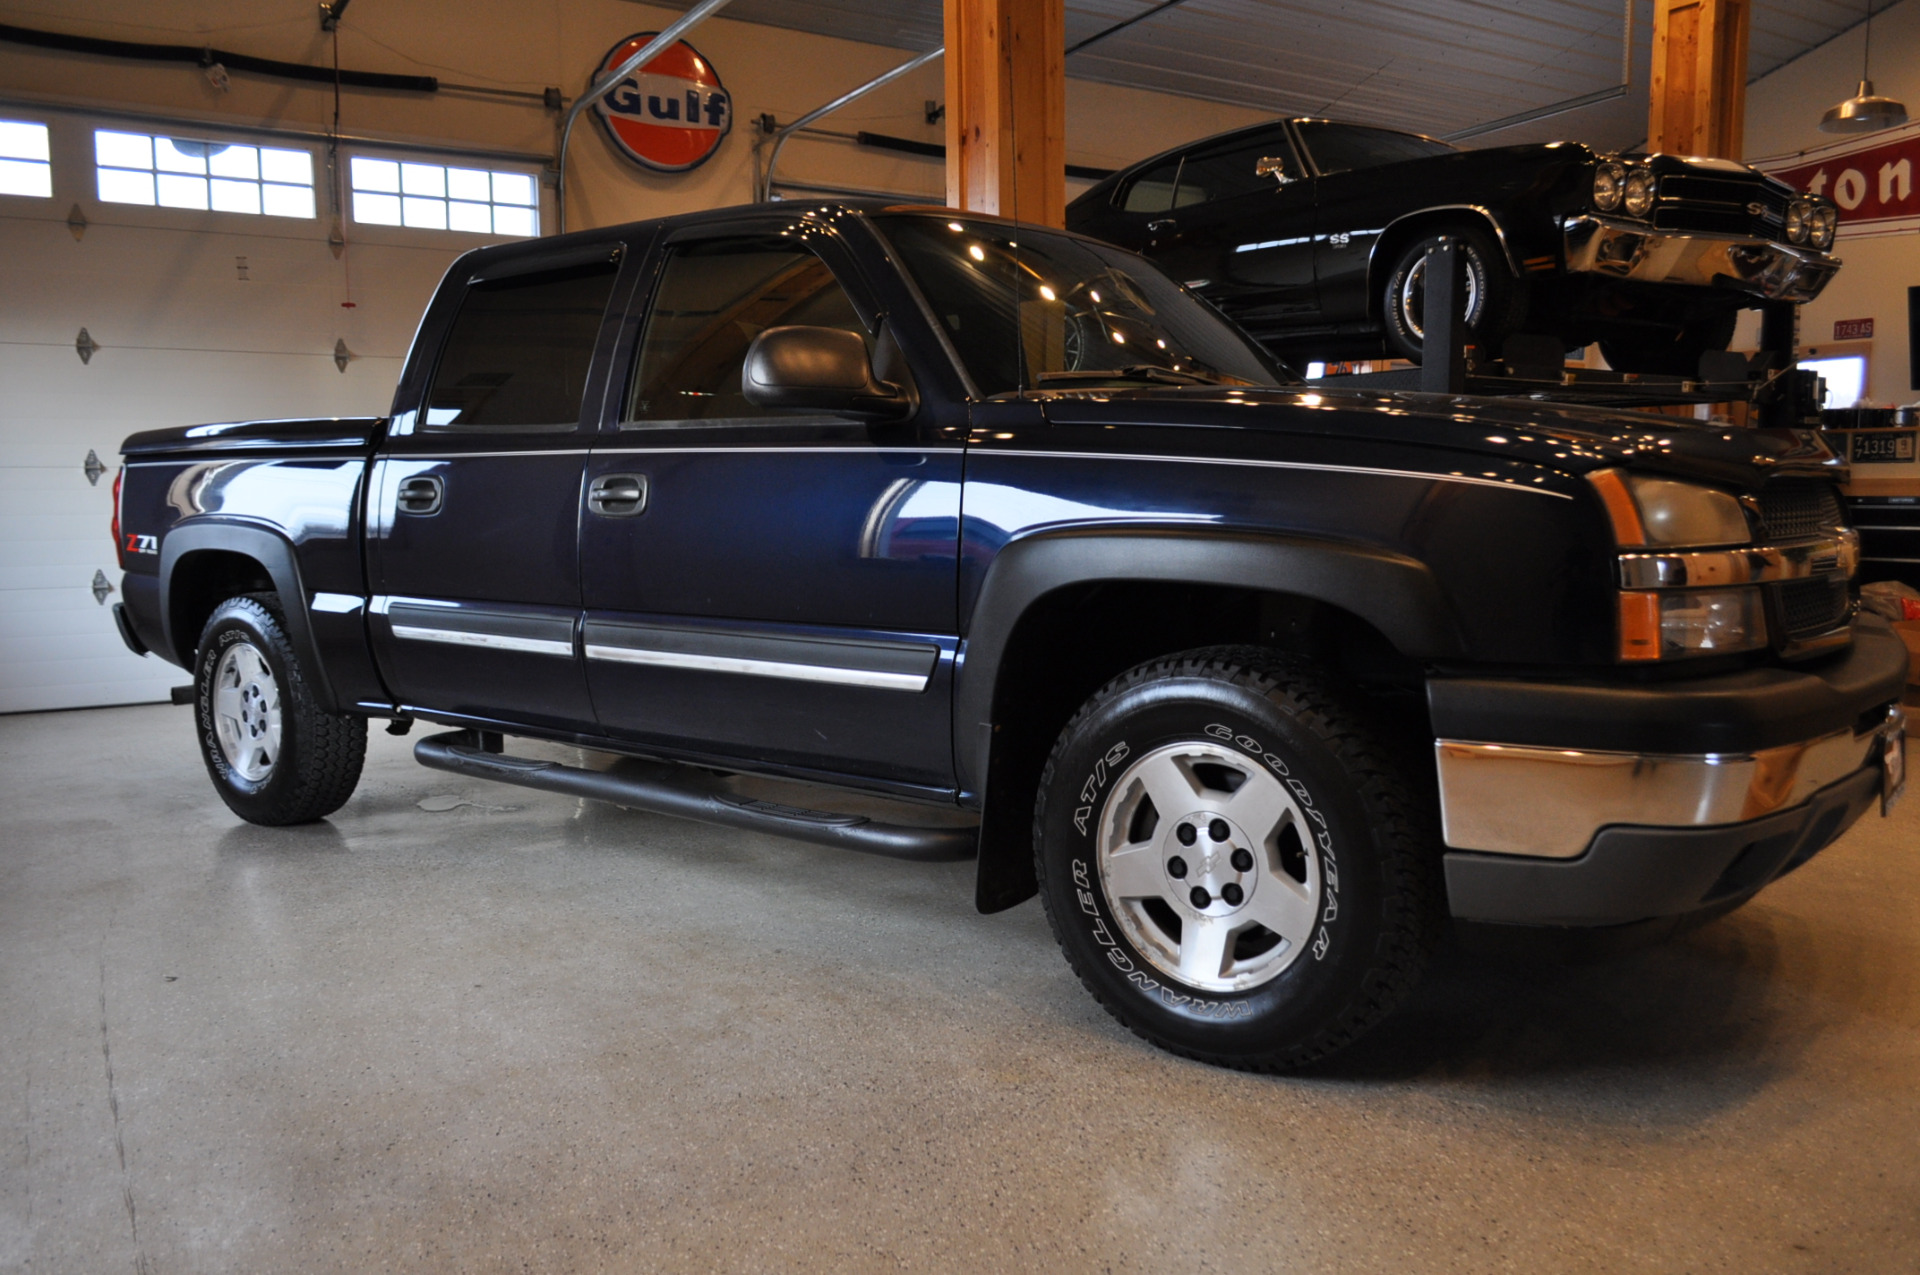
1338, 148
519, 351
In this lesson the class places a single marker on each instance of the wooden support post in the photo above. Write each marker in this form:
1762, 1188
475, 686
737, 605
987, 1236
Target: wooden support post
1007, 108
1699, 82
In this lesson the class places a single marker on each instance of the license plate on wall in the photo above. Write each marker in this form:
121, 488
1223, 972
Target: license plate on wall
1888, 447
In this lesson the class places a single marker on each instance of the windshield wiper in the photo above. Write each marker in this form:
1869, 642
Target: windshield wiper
1147, 372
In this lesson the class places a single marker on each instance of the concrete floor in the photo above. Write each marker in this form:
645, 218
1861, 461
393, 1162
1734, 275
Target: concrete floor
528, 1033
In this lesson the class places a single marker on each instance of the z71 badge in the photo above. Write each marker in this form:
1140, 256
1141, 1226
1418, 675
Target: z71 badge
142, 544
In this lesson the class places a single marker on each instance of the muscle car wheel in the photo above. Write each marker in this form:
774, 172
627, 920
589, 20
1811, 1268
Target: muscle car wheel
1671, 351
276, 757
1232, 862
1491, 294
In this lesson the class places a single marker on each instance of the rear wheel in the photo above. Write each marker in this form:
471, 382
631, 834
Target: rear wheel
275, 756
1232, 862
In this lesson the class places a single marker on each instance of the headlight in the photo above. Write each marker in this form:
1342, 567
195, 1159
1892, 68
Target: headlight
1799, 221
1821, 224
1607, 180
1659, 511
1638, 196
1677, 622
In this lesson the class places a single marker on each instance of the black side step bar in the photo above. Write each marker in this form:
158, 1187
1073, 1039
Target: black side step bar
668, 789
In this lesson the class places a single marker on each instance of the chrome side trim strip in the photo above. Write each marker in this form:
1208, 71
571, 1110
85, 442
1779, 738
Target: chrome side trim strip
1286, 464
493, 641
1549, 802
761, 668
1172, 460
1759, 564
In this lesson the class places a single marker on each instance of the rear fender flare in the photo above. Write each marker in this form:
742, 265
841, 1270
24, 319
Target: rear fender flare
276, 554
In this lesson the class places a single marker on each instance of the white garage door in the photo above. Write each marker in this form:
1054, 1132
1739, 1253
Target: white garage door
199, 315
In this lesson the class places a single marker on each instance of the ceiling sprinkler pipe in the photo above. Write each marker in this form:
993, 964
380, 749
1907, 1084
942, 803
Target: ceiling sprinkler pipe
659, 44
780, 138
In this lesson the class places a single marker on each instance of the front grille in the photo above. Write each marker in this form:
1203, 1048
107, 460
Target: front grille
1721, 205
1812, 607
1800, 510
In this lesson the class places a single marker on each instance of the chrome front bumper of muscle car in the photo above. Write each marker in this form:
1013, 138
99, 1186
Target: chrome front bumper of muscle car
1637, 252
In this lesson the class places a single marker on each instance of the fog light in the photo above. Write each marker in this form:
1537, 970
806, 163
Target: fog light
1676, 622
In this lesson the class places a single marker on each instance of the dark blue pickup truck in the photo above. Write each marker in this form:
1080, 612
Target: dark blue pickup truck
1255, 684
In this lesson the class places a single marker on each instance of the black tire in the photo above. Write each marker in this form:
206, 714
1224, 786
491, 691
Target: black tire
284, 759
1367, 877
1494, 295
1671, 351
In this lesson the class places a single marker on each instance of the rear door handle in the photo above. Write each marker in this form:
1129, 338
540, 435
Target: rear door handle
422, 494
1164, 223
618, 495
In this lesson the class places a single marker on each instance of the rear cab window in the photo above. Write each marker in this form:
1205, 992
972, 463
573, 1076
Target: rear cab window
519, 351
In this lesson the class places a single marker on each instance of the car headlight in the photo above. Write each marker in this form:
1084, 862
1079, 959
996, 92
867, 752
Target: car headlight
1607, 181
1799, 221
1646, 510
1821, 224
1637, 193
1678, 622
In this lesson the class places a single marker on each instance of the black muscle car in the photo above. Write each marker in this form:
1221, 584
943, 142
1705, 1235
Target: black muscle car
1312, 234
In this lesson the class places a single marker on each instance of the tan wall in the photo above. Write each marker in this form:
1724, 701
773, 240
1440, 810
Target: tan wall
1783, 116
512, 44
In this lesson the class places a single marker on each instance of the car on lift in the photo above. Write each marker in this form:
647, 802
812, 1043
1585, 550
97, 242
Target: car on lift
1255, 684
1313, 234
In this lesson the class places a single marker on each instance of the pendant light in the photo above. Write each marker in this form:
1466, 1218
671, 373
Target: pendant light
1865, 111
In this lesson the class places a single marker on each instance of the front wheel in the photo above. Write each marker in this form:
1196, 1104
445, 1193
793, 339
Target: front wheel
1488, 310
1669, 351
1233, 863
274, 754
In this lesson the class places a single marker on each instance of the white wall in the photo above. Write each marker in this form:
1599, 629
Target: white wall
1783, 117
184, 339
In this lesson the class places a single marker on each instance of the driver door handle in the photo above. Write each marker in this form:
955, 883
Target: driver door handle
423, 494
1163, 224
618, 495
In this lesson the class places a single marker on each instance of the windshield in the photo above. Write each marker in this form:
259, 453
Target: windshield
1045, 311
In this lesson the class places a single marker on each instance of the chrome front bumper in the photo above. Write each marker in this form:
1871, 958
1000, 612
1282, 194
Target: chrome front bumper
1635, 251
1550, 803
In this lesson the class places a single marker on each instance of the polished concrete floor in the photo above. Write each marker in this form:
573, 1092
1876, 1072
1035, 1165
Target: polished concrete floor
527, 1033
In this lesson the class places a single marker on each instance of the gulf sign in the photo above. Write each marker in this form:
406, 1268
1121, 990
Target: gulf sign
669, 115
1872, 179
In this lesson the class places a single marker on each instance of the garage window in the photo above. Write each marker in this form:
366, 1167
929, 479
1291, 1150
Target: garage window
389, 192
25, 168
178, 172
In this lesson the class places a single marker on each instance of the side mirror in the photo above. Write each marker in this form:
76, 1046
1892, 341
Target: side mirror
819, 370
1272, 166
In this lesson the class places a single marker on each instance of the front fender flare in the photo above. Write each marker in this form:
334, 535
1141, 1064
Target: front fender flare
274, 552
1394, 593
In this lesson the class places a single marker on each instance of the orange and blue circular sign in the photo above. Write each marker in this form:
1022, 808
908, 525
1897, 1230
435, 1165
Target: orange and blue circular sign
669, 115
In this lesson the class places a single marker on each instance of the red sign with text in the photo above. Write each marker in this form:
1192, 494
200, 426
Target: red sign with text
1874, 183
1853, 329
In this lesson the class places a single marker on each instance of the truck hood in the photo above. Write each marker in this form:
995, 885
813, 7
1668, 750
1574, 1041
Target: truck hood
1556, 436
326, 436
